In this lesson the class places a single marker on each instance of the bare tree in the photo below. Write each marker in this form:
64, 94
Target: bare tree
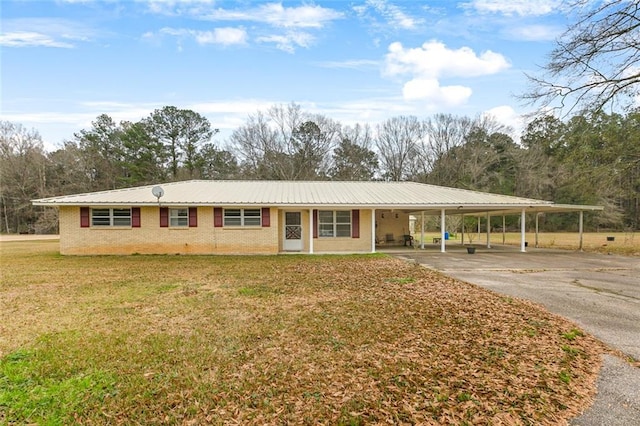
595, 62
398, 142
285, 143
22, 176
353, 158
443, 132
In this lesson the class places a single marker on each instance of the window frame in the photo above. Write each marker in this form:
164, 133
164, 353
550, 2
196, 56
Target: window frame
241, 218
111, 219
337, 225
175, 218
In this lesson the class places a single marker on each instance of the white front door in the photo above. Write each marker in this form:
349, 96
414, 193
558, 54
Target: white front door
292, 231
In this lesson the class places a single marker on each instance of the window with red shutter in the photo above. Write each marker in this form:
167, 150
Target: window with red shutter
84, 217
135, 217
266, 217
217, 217
193, 217
355, 223
164, 217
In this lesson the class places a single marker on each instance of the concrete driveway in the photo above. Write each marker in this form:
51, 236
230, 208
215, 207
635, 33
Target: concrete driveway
600, 293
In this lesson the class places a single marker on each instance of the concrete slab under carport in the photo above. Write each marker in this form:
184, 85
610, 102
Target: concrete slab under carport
599, 292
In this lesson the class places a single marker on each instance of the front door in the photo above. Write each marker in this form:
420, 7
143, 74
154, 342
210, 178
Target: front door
292, 231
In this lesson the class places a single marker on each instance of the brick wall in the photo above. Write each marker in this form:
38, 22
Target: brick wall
150, 238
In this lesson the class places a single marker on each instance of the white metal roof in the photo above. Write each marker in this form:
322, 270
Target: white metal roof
409, 196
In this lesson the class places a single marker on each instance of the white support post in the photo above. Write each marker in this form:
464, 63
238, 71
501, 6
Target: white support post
373, 230
442, 225
488, 230
537, 216
523, 228
422, 230
462, 236
311, 225
580, 228
504, 230
479, 220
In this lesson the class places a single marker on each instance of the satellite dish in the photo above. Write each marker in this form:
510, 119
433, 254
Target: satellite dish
157, 192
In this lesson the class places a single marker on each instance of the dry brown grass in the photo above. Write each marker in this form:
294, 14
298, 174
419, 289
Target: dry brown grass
284, 339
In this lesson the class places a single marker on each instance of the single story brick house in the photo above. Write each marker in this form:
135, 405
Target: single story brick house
266, 217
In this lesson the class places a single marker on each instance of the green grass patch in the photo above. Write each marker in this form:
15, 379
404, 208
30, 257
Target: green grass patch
35, 387
573, 334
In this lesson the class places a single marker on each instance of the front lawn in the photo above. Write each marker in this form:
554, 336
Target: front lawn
274, 340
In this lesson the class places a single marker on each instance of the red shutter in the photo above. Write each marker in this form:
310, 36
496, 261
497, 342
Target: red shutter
355, 223
217, 217
84, 217
193, 217
135, 217
164, 217
266, 217
315, 223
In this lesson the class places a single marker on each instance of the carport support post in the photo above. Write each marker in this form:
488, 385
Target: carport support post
523, 219
373, 230
488, 230
537, 215
422, 230
462, 238
580, 227
311, 225
442, 225
504, 234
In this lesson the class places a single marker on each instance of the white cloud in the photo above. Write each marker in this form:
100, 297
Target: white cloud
177, 7
535, 32
224, 36
393, 14
277, 15
426, 64
515, 7
509, 117
31, 39
431, 90
288, 42
220, 36
433, 60
350, 64
44, 32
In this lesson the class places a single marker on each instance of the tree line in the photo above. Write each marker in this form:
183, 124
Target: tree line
591, 158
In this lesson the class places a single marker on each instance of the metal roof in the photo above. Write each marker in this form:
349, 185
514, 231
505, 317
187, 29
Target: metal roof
410, 196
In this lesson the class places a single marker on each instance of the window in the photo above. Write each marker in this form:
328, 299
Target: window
111, 217
178, 217
242, 217
334, 223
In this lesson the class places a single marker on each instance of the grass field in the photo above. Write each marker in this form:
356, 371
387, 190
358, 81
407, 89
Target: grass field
274, 340
625, 243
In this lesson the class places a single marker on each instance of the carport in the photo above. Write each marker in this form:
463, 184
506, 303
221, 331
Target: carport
489, 211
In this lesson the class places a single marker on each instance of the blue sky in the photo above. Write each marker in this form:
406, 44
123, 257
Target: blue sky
64, 62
